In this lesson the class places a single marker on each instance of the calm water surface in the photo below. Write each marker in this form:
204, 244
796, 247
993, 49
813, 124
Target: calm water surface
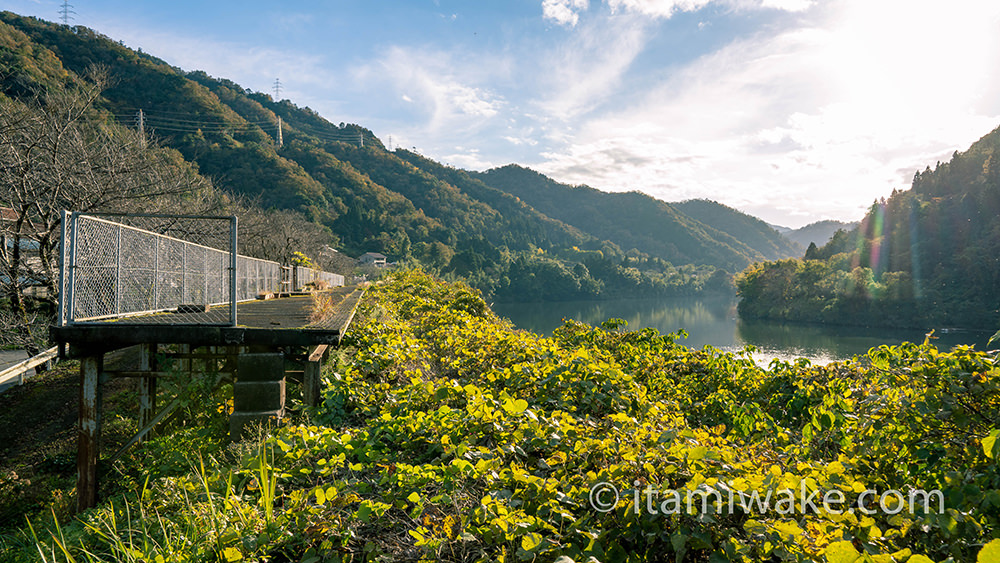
713, 321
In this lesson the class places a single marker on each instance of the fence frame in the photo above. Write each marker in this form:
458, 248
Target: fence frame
266, 273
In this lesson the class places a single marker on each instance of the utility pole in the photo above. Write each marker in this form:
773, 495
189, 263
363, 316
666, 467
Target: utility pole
141, 119
280, 140
277, 89
65, 12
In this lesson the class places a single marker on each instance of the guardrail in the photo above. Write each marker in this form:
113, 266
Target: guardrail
143, 264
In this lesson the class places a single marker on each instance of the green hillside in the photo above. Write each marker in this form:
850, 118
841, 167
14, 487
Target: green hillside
513, 233
750, 230
925, 257
634, 220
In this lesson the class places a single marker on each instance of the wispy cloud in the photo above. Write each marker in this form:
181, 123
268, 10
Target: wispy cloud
568, 12
579, 74
446, 92
813, 121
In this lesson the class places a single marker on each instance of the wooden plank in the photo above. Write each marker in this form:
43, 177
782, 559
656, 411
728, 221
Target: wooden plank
88, 431
317, 353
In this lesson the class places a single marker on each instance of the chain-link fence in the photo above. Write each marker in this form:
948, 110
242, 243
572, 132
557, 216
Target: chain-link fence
302, 277
167, 269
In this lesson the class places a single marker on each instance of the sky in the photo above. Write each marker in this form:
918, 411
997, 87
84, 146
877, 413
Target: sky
790, 110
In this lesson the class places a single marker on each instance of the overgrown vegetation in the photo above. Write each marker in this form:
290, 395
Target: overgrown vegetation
445, 434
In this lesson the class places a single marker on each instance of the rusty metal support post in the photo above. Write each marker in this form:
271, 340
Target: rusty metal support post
89, 431
147, 385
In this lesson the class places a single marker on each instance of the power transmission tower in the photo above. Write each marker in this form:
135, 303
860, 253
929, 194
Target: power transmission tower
65, 11
277, 89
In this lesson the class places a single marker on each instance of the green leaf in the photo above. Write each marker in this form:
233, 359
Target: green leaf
993, 338
990, 553
919, 559
232, 554
414, 497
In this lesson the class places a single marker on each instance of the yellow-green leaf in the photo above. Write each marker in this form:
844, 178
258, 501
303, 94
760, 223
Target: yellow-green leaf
990, 553
530, 542
991, 446
841, 552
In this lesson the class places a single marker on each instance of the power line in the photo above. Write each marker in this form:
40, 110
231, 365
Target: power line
180, 122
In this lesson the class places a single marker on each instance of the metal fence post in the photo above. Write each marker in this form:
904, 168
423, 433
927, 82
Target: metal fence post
234, 224
118, 272
156, 274
70, 301
184, 273
62, 270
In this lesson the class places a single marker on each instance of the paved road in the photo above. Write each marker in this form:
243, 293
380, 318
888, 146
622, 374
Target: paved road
9, 358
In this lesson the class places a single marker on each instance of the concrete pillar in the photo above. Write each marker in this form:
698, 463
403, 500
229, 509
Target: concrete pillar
258, 391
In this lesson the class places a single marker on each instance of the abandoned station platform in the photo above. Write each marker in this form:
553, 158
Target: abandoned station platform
174, 289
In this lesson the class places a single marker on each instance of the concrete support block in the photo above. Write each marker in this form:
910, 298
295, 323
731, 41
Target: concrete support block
252, 396
258, 392
260, 367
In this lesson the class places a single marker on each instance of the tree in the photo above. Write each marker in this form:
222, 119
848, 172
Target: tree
278, 234
56, 154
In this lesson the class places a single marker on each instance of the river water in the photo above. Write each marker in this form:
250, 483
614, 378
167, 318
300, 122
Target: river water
713, 321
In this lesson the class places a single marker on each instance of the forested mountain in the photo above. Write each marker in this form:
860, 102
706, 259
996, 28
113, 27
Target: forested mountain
636, 220
512, 232
750, 230
925, 257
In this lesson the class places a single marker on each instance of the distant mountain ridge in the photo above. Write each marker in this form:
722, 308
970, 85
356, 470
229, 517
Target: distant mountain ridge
489, 226
819, 232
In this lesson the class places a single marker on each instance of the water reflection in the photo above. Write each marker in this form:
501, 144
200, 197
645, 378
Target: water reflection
713, 321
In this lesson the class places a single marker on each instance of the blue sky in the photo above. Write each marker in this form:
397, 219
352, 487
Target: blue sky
790, 110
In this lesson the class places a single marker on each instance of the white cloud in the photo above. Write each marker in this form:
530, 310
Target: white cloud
567, 12
564, 12
657, 8
787, 5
